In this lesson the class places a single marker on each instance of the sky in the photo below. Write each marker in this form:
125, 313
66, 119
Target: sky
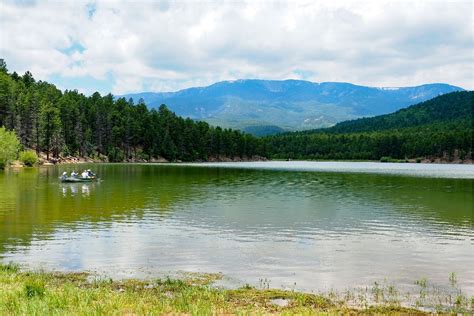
133, 46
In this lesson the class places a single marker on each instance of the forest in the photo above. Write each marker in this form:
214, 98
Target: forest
440, 127
48, 120
56, 123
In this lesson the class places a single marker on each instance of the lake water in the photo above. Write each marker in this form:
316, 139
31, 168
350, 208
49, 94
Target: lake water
307, 225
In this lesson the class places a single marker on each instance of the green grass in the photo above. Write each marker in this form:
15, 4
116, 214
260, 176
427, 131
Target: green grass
47, 293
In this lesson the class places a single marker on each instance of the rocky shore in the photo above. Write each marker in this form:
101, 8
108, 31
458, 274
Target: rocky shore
103, 159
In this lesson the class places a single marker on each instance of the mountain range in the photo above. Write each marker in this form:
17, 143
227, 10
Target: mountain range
270, 106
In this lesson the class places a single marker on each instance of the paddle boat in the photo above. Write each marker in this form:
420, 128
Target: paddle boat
86, 176
78, 179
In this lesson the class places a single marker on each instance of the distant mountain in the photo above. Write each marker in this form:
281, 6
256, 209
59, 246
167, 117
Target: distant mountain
289, 104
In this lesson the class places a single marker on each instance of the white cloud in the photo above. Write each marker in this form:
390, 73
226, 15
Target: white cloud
167, 45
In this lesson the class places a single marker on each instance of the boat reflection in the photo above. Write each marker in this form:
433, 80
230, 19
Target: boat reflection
78, 189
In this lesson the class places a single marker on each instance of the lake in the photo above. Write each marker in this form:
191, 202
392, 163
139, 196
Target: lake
312, 226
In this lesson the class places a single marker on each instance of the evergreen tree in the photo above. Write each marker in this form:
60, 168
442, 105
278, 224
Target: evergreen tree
50, 127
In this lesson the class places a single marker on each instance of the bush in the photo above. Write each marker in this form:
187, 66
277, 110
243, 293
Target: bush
66, 151
116, 155
9, 145
28, 158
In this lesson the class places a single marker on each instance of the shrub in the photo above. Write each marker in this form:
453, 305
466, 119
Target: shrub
116, 155
28, 158
9, 145
66, 151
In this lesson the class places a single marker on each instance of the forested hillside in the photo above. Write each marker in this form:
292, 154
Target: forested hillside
441, 127
70, 123
452, 107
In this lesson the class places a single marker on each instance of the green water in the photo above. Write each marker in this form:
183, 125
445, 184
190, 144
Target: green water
320, 230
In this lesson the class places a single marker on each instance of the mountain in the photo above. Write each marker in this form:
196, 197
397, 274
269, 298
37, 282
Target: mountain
287, 104
440, 129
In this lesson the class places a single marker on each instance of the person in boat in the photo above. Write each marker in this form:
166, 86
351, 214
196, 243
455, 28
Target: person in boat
85, 174
64, 175
90, 173
74, 174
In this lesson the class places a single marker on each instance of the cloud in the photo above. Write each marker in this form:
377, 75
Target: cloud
168, 45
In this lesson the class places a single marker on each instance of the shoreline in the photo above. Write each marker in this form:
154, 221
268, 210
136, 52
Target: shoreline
23, 291
83, 160
259, 159
430, 170
61, 160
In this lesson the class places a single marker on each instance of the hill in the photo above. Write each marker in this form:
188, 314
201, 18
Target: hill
456, 106
288, 104
439, 128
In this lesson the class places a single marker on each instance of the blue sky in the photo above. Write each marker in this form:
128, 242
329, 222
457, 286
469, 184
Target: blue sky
132, 46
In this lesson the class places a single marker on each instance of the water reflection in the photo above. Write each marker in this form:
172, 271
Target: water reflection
77, 189
317, 229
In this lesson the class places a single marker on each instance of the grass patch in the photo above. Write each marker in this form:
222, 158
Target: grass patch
44, 293
9, 267
34, 289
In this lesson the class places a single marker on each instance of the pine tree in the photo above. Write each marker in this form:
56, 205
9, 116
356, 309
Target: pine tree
50, 127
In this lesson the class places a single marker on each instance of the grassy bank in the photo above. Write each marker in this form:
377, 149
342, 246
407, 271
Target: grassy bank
41, 293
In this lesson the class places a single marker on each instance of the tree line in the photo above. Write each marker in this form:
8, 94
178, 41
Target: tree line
435, 141
70, 123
